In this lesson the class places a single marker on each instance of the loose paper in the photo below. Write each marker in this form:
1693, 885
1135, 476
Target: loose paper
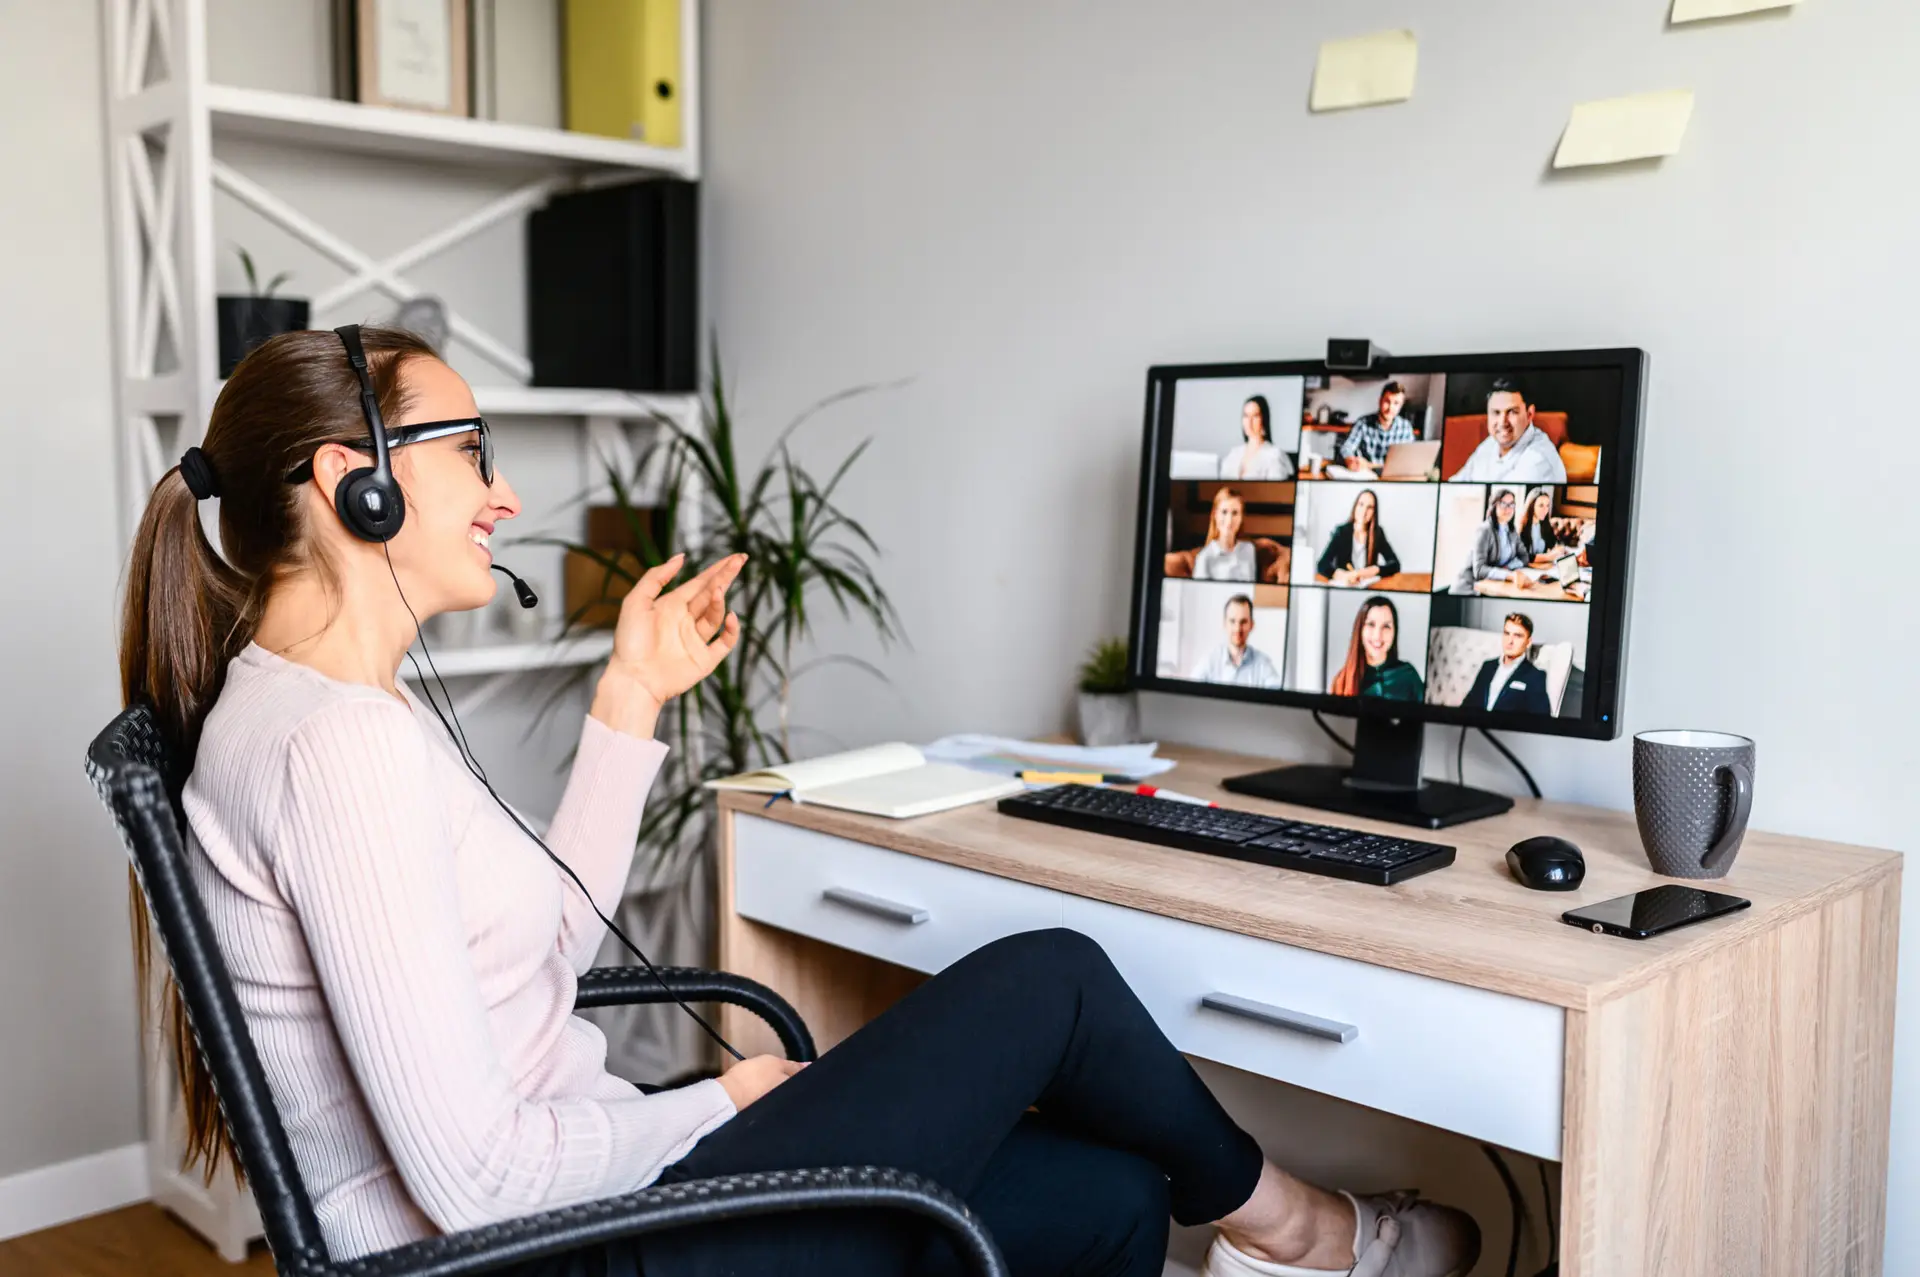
1364, 71
1631, 128
1694, 10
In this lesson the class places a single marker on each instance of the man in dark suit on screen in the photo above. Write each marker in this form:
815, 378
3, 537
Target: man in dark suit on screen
1511, 683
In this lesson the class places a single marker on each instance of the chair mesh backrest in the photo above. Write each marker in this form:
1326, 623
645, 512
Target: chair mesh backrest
139, 777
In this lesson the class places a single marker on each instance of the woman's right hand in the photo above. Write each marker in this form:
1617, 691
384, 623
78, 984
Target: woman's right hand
754, 1076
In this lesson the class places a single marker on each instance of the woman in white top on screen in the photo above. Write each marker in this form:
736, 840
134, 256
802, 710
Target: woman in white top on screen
407, 960
1225, 556
1254, 457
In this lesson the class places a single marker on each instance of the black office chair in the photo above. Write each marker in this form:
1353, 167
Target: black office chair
139, 780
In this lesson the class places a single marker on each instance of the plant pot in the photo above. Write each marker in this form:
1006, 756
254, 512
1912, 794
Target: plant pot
245, 322
1109, 718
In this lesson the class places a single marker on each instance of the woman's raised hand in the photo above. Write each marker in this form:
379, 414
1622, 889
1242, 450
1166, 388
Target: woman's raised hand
668, 642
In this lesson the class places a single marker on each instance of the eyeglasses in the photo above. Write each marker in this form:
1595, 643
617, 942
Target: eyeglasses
401, 436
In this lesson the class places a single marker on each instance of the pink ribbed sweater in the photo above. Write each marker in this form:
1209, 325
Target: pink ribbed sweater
406, 959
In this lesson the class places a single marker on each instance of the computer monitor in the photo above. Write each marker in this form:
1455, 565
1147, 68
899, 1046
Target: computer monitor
1436, 540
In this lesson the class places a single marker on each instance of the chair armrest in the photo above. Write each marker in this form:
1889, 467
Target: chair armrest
635, 986
669, 1206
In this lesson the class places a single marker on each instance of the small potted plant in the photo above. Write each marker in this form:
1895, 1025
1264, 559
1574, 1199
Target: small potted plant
248, 320
1109, 709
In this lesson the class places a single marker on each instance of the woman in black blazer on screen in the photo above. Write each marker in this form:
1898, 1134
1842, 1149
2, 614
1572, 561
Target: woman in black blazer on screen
1358, 552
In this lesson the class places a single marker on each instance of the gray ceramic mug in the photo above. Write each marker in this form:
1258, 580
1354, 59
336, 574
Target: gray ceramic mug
1692, 793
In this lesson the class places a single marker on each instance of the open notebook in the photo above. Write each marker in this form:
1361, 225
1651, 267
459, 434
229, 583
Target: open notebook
885, 780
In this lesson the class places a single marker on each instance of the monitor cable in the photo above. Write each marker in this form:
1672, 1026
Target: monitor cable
1517, 764
458, 736
1331, 734
1515, 1202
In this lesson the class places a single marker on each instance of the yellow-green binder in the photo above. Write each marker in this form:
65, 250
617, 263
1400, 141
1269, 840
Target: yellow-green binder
623, 69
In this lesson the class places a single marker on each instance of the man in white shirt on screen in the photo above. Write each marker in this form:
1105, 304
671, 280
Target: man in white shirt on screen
1515, 450
1233, 661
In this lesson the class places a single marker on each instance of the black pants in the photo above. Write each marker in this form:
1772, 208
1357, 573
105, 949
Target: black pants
1124, 1133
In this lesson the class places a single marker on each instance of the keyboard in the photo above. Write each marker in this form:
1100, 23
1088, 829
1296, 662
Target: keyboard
1380, 859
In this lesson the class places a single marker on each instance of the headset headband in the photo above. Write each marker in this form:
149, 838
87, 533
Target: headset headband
349, 335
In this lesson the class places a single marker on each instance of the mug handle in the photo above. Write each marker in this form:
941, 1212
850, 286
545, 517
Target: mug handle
1742, 777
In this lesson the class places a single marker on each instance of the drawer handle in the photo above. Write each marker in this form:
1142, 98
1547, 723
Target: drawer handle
1280, 1017
892, 911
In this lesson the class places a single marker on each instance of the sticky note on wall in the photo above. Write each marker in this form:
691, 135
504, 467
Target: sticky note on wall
1640, 127
1695, 10
1366, 70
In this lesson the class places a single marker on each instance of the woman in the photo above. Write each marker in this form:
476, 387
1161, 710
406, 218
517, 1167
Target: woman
1225, 557
407, 960
1358, 552
1538, 539
1373, 666
1496, 546
1254, 457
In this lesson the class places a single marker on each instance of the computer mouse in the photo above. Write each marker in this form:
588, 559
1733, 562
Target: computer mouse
1547, 863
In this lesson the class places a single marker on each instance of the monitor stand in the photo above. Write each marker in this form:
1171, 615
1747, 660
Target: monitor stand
1383, 783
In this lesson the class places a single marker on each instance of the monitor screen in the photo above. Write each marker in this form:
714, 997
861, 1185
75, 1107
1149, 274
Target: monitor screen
1443, 538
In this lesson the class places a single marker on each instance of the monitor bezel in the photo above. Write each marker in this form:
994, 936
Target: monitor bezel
1606, 636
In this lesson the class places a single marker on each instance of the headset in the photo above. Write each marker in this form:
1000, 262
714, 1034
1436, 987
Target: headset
372, 507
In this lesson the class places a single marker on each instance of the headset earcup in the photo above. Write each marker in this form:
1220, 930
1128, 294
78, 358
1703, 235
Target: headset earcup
372, 509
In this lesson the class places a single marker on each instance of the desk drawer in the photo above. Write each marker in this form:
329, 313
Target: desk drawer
1483, 1064
908, 911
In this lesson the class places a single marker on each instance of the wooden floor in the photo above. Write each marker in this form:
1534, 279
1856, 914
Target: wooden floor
140, 1239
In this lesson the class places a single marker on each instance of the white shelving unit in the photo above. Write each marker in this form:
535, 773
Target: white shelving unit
166, 123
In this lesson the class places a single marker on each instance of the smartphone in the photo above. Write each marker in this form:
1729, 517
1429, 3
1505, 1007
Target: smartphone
1650, 912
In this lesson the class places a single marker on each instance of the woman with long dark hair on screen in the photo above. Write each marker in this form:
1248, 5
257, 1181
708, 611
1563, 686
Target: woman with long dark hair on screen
1227, 556
406, 957
1358, 552
1537, 536
1255, 456
1373, 666
1496, 545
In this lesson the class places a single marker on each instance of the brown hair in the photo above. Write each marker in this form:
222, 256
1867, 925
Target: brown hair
1213, 513
1347, 681
1355, 554
1522, 620
1526, 519
190, 610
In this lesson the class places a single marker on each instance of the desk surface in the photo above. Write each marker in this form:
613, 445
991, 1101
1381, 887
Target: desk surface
1551, 591
1471, 923
1401, 582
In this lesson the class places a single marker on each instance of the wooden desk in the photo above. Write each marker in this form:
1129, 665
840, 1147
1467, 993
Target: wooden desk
1718, 1097
1399, 582
1547, 592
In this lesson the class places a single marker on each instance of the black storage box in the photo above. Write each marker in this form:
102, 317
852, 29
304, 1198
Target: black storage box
613, 287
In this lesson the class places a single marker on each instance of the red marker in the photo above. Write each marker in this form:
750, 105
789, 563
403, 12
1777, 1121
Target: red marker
1154, 791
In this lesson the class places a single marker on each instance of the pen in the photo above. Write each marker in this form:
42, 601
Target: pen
1154, 791
1071, 778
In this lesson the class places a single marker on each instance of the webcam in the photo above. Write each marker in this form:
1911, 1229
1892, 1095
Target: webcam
1353, 354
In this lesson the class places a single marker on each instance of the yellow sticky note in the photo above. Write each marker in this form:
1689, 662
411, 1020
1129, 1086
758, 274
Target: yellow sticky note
1694, 10
1631, 128
1364, 71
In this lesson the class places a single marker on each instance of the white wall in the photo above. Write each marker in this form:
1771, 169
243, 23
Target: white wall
1023, 205
69, 1079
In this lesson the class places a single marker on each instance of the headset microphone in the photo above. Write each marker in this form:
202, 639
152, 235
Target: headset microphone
521, 590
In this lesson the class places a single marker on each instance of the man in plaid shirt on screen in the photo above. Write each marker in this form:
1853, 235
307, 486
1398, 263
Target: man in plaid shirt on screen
1366, 444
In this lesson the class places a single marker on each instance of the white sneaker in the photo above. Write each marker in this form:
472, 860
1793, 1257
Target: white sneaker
1398, 1235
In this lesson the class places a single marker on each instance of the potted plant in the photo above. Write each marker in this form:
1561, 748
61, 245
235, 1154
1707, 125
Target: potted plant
248, 320
1109, 709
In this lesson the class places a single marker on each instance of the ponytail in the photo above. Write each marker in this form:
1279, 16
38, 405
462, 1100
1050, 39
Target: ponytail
190, 609
187, 614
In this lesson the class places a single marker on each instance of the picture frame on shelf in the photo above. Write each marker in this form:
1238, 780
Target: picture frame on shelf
409, 54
